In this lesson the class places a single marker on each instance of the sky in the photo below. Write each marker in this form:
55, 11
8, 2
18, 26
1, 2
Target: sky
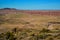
31, 4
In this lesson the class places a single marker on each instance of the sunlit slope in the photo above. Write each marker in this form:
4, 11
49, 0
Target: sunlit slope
23, 20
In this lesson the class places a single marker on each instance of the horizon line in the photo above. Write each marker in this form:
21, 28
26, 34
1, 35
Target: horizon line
30, 9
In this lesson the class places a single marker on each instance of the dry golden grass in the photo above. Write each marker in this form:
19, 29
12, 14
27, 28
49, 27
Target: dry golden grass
23, 20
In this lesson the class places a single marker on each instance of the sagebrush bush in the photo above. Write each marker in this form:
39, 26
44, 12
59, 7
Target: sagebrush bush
28, 34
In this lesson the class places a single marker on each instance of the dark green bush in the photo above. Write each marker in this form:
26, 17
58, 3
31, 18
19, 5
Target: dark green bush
9, 36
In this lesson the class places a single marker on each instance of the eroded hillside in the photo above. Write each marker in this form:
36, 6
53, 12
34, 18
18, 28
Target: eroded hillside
27, 25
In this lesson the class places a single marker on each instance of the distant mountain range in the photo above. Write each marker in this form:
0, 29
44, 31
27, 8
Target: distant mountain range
8, 9
40, 12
